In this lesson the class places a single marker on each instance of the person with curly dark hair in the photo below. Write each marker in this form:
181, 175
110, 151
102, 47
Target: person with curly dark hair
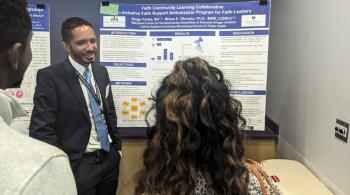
196, 146
28, 166
16, 34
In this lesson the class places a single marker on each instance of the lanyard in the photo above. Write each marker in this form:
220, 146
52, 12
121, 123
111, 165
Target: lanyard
89, 87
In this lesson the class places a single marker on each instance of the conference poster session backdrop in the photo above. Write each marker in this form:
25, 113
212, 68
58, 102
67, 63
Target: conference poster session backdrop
139, 44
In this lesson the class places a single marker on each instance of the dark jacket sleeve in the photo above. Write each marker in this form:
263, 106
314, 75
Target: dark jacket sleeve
44, 112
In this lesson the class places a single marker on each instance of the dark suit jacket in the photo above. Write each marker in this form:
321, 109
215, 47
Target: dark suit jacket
60, 116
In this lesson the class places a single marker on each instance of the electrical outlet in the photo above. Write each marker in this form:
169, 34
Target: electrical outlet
341, 130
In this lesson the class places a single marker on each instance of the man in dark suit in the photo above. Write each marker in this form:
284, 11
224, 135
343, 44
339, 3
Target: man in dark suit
74, 111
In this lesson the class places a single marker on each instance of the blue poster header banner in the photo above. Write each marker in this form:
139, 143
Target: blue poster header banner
129, 83
232, 15
119, 32
123, 64
164, 39
182, 33
248, 92
40, 17
244, 33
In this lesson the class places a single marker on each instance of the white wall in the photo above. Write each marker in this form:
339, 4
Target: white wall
309, 84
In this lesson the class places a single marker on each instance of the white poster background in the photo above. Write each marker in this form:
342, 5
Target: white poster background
232, 36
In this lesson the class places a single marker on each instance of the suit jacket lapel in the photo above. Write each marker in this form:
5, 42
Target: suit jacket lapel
98, 74
75, 87
98, 78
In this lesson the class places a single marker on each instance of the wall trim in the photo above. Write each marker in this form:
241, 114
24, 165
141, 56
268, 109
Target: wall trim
285, 150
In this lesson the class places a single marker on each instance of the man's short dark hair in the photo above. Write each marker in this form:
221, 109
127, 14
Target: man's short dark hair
69, 24
15, 23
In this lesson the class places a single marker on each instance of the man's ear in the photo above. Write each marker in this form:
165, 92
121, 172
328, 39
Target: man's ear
66, 46
13, 55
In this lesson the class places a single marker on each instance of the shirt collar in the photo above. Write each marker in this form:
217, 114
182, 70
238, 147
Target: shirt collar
80, 68
10, 107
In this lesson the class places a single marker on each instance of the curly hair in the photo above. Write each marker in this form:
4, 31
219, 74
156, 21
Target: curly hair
198, 125
15, 23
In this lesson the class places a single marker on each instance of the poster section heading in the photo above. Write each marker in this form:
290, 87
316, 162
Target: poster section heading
248, 92
187, 16
40, 17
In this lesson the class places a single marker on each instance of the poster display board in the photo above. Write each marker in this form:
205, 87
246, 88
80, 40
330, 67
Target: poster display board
139, 44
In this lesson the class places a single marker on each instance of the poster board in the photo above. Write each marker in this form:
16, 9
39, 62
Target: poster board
139, 44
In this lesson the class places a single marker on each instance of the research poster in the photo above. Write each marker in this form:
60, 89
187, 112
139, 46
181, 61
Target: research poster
40, 58
139, 44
